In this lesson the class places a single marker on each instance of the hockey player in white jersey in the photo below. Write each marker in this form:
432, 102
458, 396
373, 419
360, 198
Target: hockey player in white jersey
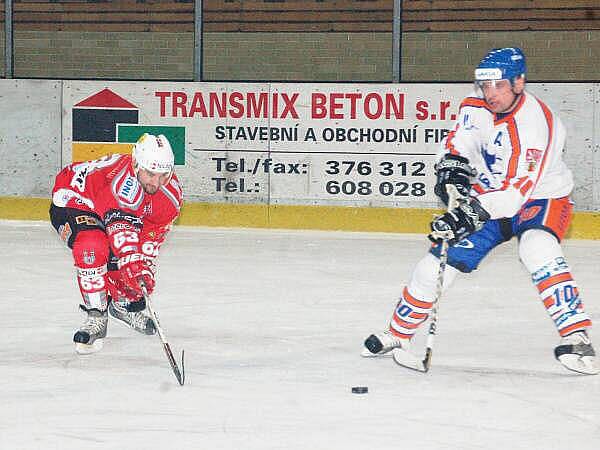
504, 156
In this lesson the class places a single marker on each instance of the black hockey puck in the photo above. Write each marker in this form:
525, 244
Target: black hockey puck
360, 390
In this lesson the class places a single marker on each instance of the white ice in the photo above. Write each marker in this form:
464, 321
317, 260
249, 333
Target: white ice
272, 323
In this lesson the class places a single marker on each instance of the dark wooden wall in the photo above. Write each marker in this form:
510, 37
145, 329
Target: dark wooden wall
306, 15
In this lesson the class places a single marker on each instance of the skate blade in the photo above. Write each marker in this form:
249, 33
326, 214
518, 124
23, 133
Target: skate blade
408, 360
86, 349
581, 364
366, 353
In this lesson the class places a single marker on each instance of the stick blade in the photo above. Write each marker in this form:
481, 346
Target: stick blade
181, 377
179, 374
408, 360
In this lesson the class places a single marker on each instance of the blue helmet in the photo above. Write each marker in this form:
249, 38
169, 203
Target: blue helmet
502, 64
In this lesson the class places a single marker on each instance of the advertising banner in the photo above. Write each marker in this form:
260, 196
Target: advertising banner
321, 144
300, 143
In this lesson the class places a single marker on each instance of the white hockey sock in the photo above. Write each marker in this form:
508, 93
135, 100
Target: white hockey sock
542, 255
418, 296
92, 285
560, 296
410, 312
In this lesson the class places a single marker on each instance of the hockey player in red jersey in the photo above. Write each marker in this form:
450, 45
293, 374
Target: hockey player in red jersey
114, 213
504, 156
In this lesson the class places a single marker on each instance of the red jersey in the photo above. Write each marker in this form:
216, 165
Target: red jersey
109, 183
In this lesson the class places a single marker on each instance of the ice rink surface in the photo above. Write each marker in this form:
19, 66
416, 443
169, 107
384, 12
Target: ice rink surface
272, 323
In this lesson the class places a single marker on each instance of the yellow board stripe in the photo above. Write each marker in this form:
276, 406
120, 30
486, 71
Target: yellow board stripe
85, 151
21, 208
585, 225
307, 217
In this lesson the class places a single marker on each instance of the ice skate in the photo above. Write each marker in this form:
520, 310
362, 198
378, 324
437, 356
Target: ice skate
382, 343
576, 353
137, 320
90, 336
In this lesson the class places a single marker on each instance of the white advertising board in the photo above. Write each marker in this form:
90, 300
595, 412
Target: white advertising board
30, 136
317, 144
325, 144
277, 143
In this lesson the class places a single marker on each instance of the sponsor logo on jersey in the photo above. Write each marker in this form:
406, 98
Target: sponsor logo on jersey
89, 257
91, 271
129, 189
115, 215
529, 213
533, 157
65, 232
484, 181
79, 177
465, 243
565, 218
468, 123
87, 220
65, 197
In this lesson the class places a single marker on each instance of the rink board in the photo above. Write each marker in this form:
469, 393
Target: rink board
303, 155
585, 225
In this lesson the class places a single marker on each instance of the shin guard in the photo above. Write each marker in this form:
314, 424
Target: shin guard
542, 255
417, 298
560, 296
90, 252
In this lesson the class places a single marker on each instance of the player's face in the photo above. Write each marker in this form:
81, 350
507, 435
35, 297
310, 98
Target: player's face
500, 95
152, 181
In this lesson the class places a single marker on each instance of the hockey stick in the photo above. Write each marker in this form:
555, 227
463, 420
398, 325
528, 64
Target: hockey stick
179, 374
403, 357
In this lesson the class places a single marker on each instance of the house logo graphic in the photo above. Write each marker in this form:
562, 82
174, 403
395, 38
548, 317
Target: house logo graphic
106, 123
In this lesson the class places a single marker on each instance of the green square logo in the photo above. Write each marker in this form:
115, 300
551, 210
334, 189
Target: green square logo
176, 135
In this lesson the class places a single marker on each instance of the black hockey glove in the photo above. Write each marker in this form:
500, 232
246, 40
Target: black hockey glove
457, 224
453, 169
